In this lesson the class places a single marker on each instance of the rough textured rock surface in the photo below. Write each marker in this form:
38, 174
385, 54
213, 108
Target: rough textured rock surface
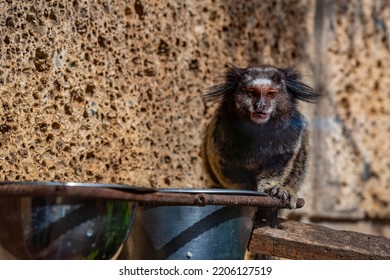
352, 125
111, 91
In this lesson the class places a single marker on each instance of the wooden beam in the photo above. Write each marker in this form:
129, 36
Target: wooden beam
295, 240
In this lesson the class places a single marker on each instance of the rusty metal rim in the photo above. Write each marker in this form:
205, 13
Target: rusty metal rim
77, 184
35, 189
212, 191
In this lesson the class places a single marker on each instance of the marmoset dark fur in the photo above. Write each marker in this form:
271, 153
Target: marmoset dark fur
257, 139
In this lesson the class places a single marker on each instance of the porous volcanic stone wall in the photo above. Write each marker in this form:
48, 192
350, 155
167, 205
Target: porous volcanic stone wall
352, 124
111, 91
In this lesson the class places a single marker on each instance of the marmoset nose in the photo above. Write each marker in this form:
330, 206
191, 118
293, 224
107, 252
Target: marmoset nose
259, 104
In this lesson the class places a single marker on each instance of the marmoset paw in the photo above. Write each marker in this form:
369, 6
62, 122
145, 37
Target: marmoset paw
285, 194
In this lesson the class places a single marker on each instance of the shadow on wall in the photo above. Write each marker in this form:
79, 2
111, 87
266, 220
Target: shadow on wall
267, 32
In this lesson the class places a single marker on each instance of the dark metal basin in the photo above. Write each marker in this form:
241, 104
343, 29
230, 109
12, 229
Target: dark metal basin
47, 227
191, 232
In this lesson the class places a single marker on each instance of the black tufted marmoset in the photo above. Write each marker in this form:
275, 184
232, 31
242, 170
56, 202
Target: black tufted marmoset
257, 139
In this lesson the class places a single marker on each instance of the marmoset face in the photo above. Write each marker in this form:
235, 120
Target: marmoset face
260, 94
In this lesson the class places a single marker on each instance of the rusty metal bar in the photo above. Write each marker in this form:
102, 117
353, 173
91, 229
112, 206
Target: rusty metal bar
144, 198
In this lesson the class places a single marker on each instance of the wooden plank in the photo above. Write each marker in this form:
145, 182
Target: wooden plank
295, 240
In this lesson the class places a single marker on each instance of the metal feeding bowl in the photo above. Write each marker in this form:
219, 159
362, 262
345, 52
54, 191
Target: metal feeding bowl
193, 232
46, 220
62, 221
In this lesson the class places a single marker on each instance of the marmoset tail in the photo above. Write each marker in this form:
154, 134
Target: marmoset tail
258, 139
